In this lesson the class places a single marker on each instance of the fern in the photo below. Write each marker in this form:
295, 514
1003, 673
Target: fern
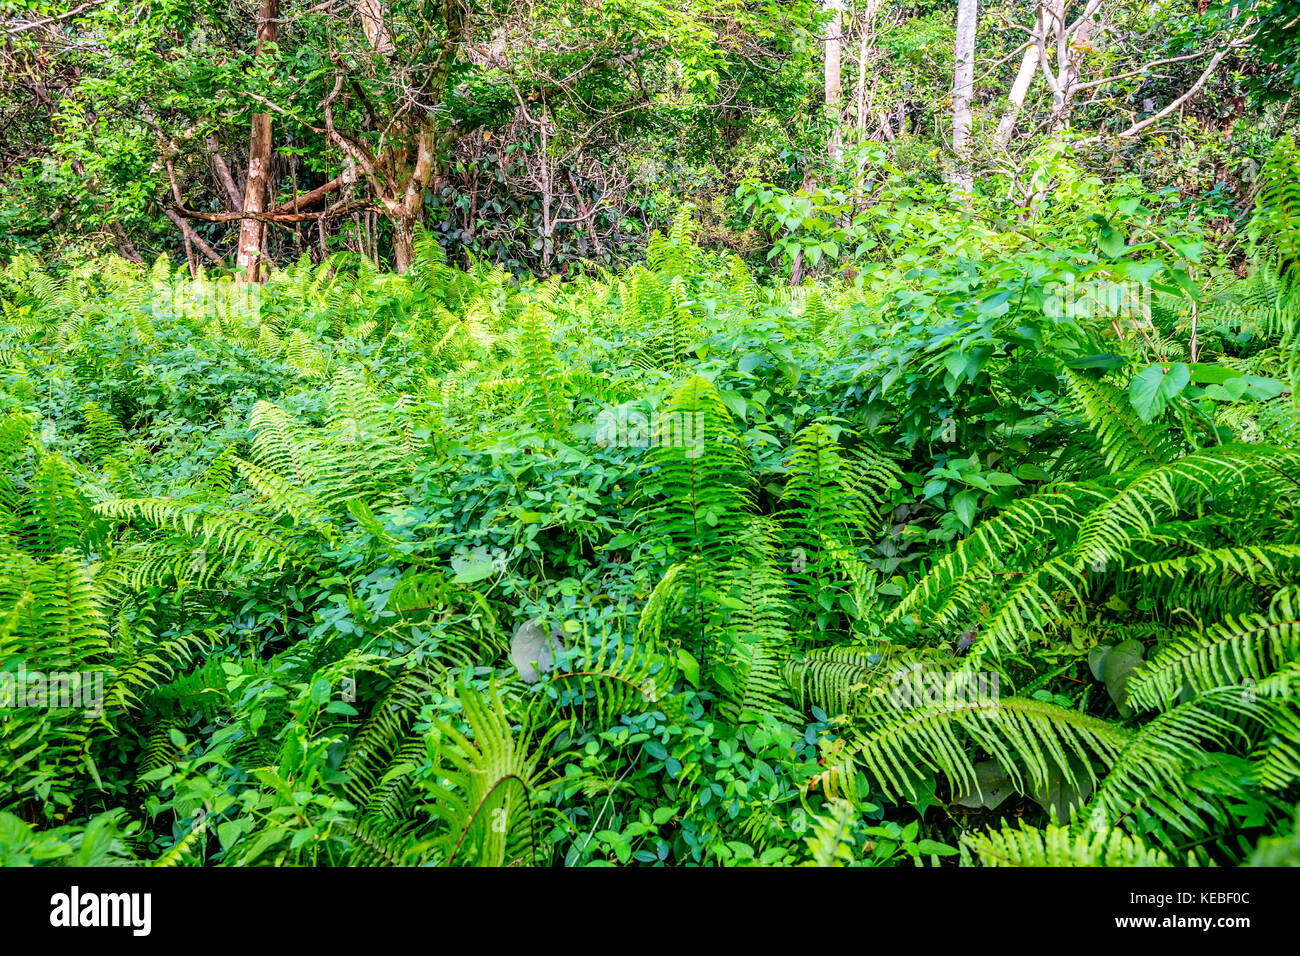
1126, 441
1029, 739
1060, 846
1237, 649
1277, 207
488, 803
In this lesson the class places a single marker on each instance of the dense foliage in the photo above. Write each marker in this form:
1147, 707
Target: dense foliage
563, 133
599, 432
956, 559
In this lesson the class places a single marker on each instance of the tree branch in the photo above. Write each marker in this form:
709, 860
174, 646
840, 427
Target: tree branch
1192, 91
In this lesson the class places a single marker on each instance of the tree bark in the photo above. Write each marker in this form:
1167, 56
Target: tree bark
866, 53
248, 257
832, 75
1020, 87
376, 30
395, 180
403, 241
1071, 44
233, 195
193, 237
404, 212
962, 89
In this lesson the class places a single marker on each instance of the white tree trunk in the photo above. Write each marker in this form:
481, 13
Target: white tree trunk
962, 89
833, 31
866, 53
1071, 44
1020, 87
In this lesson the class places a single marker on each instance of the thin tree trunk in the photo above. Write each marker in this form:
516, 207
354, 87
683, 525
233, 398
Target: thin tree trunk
1055, 28
251, 231
962, 88
546, 189
586, 212
863, 100
372, 23
233, 196
1020, 87
833, 30
1070, 44
193, 237
865, 49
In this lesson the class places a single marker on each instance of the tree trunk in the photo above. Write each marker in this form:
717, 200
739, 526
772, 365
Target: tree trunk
234, 198
405, 212
376, 30
866, 53
962, 87
403, 241
833, 30
1020, 87
1056, 28
546, 182
1071, 43
861, 98
249, 254
396, 182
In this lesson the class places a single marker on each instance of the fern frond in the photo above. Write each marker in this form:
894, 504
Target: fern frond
1060, 846
1126, 441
